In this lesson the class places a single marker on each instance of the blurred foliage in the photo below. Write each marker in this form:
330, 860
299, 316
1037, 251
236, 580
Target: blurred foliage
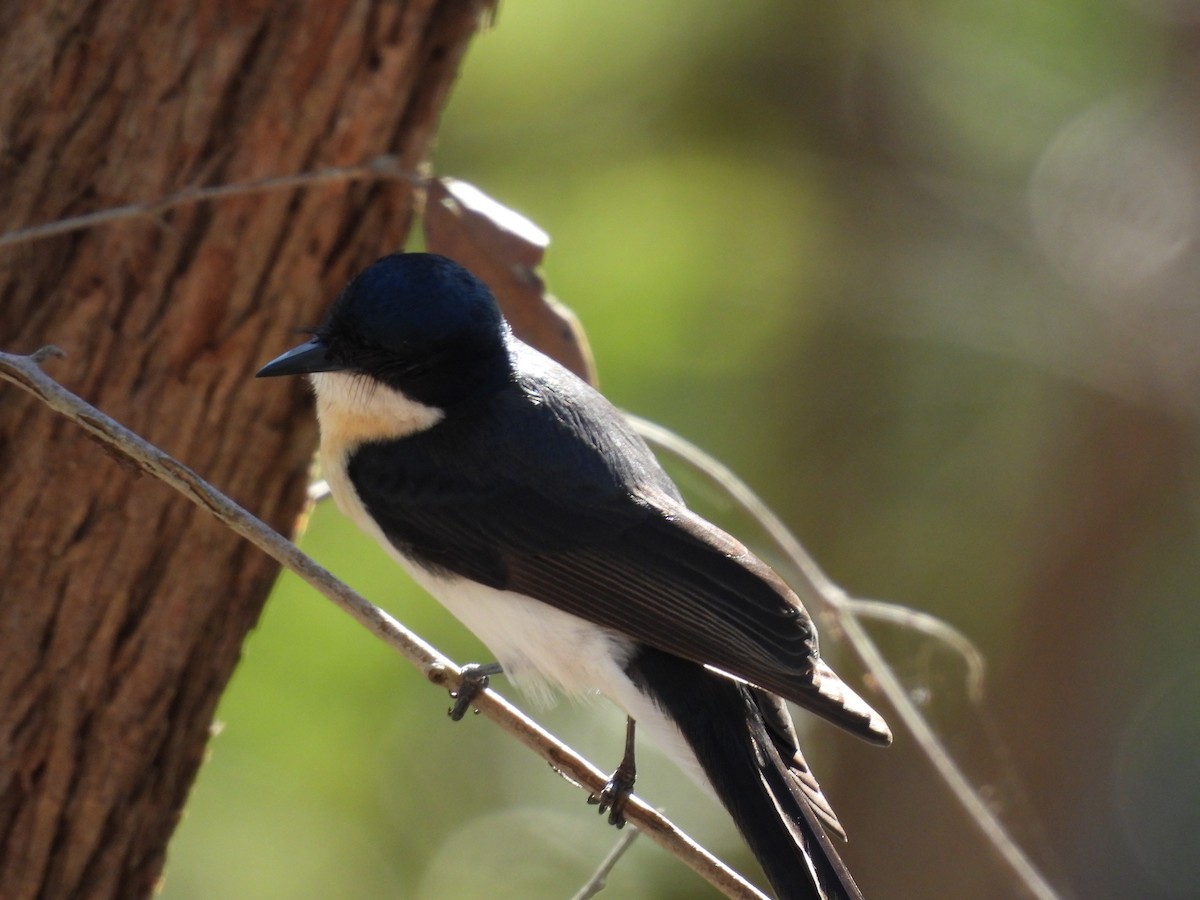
924, 274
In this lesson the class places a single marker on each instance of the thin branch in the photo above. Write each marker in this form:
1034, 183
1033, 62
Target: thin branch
379, 168
818, 592
931, 626
26, 372
599, 879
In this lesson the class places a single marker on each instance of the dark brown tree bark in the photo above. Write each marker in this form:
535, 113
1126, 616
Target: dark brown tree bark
122, 607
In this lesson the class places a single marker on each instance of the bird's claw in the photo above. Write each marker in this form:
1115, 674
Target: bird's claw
475, 678
615, 795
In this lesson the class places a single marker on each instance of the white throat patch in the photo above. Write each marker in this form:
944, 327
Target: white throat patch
354, 410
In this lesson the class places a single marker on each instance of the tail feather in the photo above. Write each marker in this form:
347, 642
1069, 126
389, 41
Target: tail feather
793, 796
782, 733
744, 742
807, 783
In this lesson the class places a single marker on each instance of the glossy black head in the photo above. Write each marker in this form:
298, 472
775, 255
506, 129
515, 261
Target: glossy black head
419, 323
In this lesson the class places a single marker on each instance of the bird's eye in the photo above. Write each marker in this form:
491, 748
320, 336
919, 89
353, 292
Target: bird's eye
405, 368
416, 368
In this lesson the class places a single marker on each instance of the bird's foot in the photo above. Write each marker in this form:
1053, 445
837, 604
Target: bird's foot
475, 678
615, 795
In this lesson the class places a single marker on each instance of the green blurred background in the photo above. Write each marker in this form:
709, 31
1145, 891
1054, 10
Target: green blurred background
925, 274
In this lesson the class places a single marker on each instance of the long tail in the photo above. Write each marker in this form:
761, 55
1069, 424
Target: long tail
743, 741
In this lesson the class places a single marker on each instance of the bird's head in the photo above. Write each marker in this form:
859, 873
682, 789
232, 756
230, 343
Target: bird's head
416, 322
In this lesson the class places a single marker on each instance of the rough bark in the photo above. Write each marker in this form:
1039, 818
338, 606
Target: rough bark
122, 609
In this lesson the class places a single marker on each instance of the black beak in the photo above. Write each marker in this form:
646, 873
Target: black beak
311, 356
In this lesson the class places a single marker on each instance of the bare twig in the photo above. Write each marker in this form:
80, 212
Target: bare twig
599, 879
819, 593
26, 372
930, 626
380, 168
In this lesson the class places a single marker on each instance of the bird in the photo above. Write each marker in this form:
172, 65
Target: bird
523, 501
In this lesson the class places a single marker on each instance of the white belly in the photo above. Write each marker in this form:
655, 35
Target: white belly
541, 648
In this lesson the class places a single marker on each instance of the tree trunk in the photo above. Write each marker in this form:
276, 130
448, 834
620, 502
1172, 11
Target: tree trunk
122, 607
